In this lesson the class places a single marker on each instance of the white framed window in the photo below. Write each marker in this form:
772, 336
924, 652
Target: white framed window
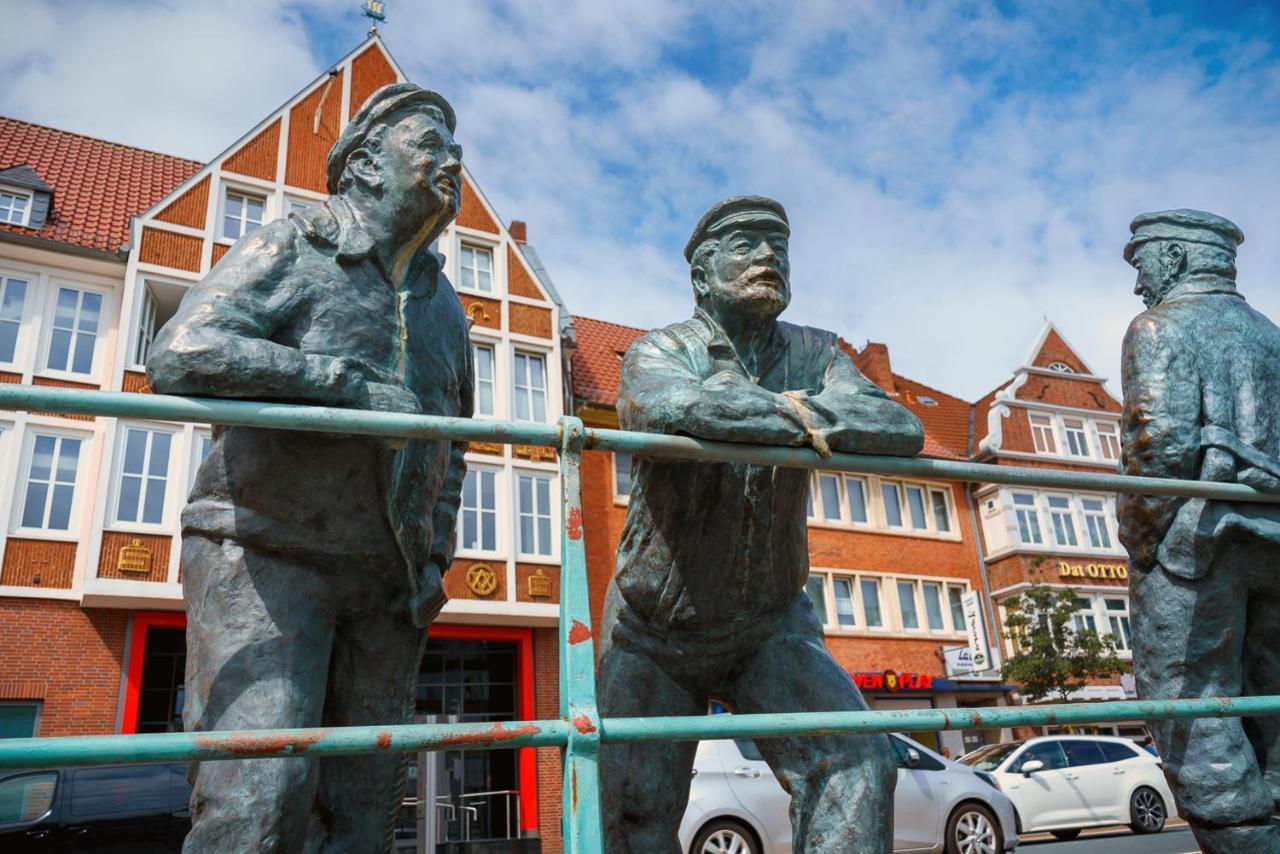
1062, 521
201, 445
847, 601
49, 488
831, 496
242, 213
76, 327
478, 511
484, 378
1084, 618
838, 498
891, 496
1095, 522
13, 298
941, 510
1077, 437
529, 387
916, 507
1117, 611
856, 491
816, 589
533, 514
1024, 508
1042, 434
142, 475
475, 268
621, 474
146, 326
15, 207
955, 600
843, 589
1108, 439
295, 205
869, 590
908, 608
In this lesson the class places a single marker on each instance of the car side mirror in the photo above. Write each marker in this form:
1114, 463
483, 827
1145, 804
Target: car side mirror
913, 757
1031, 766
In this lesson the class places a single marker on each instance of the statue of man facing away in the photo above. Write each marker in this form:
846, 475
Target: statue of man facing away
311, 562
1201, 373
708, 599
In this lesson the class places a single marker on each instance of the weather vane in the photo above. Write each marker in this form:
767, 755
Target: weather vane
375, 10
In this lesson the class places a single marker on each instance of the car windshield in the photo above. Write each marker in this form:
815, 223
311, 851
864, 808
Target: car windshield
987, 758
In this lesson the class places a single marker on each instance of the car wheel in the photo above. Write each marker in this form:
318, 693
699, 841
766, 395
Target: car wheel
1146, 811
972, 829
725, 837
1066, 835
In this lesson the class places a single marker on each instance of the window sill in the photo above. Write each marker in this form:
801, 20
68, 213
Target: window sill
545, 560
40, 534
150, 530
67, 376
460, 554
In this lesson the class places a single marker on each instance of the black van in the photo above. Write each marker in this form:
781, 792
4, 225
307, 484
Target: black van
116, 809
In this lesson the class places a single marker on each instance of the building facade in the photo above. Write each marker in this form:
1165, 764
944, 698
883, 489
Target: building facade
1056, 412
98, 244
891, 560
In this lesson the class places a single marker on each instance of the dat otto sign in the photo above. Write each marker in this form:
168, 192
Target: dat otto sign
1117, 571
893, 681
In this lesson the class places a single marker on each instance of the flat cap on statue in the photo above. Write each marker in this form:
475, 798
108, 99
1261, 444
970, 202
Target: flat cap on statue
736, 210
383, 103
1184, 225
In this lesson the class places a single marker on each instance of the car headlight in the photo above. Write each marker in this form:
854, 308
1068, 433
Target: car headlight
988, 779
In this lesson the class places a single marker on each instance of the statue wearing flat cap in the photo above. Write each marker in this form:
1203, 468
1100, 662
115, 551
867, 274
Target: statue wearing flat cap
708, 600
311, 562
1201, 374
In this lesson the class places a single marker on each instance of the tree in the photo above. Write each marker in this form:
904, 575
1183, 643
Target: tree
1054, 658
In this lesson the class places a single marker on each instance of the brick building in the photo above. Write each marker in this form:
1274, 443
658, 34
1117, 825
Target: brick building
1055, 411
98, 243
891, 560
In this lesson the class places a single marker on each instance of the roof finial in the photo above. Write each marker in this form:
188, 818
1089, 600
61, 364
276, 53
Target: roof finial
375, 10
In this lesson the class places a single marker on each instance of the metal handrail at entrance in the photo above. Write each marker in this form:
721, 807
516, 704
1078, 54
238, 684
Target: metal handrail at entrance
579, 730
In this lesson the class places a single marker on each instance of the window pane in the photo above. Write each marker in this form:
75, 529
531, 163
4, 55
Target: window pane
907, 603
68, 456
130, 492
60, 508
933, 607
621, 473
64, 313
59, 350
1083, 752
814, 589
15, 294
90, 311
42, 457
941, 518
955, 597
82, 361
253, 210
488, 491
159, 465
857, 498
33, 506
135, 449
830, 486
844, 602
30, 796
892, 507
915, 503
870, 589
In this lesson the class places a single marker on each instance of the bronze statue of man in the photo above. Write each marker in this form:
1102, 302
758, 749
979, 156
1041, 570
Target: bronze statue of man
1201, 373
311, 562
708, 599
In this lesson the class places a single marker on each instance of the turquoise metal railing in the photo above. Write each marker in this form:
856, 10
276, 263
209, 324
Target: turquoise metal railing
579, 730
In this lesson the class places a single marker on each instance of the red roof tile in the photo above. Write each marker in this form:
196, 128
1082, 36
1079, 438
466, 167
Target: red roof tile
97, 185
597, 363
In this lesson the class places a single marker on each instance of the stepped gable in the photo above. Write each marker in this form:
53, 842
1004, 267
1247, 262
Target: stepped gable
97, 185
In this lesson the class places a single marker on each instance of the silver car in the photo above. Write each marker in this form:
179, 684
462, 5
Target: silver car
736, 805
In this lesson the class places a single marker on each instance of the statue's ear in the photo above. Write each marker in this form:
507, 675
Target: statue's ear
698, 275
364, 167
1175, 258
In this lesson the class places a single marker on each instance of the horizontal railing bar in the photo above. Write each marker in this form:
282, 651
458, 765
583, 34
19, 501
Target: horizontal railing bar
410, 738
397, 425
276, 743
918, 720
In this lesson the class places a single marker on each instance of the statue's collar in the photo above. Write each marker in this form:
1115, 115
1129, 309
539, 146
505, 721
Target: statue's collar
355, 244
1203, 284
772, 347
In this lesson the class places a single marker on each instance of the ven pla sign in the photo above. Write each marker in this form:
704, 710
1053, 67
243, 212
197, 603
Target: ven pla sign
892, 681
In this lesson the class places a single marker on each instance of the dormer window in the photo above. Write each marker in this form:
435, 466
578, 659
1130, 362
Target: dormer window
1061, 367
15, 207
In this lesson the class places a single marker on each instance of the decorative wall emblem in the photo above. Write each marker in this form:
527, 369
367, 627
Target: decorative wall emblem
539, 585
134, 557
537, 453
478, 312
481, 579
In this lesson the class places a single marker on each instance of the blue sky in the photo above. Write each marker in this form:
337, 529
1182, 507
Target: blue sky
954, 172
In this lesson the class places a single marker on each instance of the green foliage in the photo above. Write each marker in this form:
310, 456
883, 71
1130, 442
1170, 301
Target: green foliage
1054, 658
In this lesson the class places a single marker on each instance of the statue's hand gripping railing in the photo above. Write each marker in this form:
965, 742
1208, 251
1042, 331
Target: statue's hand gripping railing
579, 730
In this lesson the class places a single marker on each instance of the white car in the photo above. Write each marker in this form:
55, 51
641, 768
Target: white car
736, 805
1063, 783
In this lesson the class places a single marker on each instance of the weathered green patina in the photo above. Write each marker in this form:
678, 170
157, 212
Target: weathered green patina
312, 562
1202, 400
707, 601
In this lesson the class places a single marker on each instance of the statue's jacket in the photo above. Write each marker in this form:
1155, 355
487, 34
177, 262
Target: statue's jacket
711, 545
1202, 402
267, 323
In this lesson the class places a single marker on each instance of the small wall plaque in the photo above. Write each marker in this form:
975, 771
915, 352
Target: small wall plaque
539, 585
134, 557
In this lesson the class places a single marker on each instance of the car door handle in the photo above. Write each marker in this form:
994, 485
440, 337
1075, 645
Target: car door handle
79, 831
749, 773
37, 834
1072, 776
1117, 771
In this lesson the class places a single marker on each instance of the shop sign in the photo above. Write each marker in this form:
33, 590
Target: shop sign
892, 681
957, 660
1118, 571
975, 627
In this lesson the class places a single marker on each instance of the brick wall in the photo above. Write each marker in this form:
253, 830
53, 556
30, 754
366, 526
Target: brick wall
70, 657
546, 706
